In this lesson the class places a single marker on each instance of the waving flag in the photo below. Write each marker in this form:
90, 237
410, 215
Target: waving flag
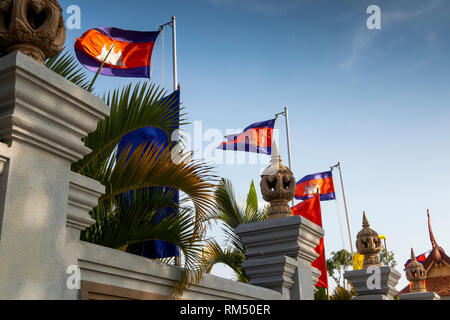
255, 138
310, 209
309, 185
154, 249
128, 52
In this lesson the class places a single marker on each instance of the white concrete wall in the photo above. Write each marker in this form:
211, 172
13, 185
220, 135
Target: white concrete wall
120, 269
43, 118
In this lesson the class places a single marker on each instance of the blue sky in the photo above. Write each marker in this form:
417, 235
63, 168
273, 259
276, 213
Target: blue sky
376, 100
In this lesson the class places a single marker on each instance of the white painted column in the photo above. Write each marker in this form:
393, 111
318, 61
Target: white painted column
280, 253
43, 118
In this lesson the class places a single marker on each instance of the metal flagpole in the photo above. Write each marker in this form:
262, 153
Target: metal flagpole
286, 115
174, 45
288, 136
338, 212
175, 78
339, 165
175, 87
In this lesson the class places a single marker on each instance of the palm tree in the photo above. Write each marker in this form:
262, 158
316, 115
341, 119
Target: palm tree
232, 214
129, 211
340, 293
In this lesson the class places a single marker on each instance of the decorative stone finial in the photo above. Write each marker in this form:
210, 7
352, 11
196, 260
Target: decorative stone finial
34, 27
416, 274
368, 244
278, 186
365, 223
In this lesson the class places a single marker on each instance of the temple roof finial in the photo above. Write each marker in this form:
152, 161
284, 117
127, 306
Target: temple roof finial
433, 240
435, 251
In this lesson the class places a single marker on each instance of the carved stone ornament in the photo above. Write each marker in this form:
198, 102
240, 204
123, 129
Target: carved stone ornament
368, 244
278, 187
416, 274
34, 27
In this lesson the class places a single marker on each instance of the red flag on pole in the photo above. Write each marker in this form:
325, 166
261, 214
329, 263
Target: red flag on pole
311, 210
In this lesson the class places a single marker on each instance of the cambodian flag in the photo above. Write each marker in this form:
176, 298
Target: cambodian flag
130, 56
310, 185
255, 138
311, 210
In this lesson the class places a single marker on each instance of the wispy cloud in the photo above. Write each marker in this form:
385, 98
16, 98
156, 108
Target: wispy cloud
406, 10
271, 7
402, 12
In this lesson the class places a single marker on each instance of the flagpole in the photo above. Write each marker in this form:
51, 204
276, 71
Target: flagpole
288, 136
339, 165
285, 113
174, 46
175, 86
173, 24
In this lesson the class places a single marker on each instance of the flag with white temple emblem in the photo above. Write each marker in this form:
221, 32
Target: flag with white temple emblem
126, 53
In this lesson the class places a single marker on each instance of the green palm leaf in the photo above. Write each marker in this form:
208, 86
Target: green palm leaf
214, 254
66, 65
131, 109
232, 214
152, 166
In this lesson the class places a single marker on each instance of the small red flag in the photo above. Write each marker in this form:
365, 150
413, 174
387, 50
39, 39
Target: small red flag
310, 209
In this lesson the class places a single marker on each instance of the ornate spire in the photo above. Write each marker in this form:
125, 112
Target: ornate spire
416, 274
365, 223
435, 251
413, 255
368, 244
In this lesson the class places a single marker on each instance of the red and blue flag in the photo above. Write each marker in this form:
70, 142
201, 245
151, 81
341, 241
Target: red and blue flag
255, 138
128, 53
311, 210
310, 185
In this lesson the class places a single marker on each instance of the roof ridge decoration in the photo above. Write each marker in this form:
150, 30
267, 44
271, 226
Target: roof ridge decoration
435, 251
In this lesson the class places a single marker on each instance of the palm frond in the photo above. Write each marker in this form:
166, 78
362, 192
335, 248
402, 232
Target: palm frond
214, 254
232, 214
132, 108
66, 65
152, 166
340, 293
252, 198
228, 209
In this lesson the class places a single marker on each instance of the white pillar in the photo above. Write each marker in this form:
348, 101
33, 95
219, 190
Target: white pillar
279, 255
43, 118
